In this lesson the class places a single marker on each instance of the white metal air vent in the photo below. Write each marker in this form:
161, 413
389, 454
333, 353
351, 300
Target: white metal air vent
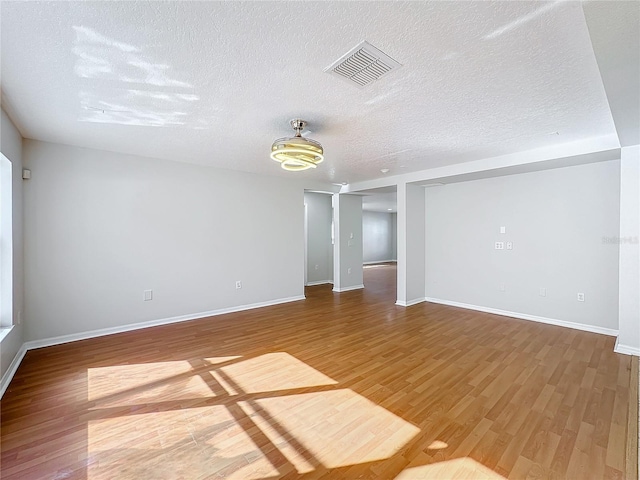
362, 65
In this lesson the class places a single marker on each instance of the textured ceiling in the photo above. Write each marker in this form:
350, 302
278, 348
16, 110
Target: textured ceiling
214, 83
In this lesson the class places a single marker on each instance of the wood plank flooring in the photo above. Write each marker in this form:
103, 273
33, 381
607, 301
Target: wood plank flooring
337, 386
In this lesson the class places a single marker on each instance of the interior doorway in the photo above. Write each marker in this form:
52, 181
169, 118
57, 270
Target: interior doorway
379, 226
380, 239
318, 235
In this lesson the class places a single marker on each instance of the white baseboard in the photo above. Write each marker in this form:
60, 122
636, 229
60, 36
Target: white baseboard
524, 316
319, 282
48, 342
626, 350
11, 371
379, 261
415, 301
347, 289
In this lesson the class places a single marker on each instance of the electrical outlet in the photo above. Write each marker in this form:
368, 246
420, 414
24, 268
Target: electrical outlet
148, 295
349, 271
238, 284
581, 297
316, 267
499, 245
502, 287
509, 246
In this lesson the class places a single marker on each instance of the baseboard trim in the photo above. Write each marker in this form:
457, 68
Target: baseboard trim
347, 289
49, 342
379, 261
415, 301
625, 349
319, 282
524, 316
11, 371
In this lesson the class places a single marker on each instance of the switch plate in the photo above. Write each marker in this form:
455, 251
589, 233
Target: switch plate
148, 295
581, 297
543, 292
502, 287
503, 229
349, 271
499, 246
238, 284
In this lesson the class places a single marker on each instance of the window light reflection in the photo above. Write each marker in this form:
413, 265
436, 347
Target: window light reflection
272, 372
458, 468
338, 427
437, 445
325, 426
120, 385
175, 444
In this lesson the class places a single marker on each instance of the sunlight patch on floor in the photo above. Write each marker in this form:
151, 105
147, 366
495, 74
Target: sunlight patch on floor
174, 444
121, 385
218, 360
458, 468
437, 445
337, 427
272, 372
148, 434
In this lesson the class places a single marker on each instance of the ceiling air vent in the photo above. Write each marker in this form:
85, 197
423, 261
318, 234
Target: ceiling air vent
362, 65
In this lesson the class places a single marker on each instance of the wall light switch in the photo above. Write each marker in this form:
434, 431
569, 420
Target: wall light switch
349, 270
503, 229
543, 292
502, 287
148, 295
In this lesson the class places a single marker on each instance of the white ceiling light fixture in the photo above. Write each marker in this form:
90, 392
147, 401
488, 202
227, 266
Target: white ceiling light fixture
297, 153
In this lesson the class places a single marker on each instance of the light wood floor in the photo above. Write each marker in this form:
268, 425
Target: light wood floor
337, 386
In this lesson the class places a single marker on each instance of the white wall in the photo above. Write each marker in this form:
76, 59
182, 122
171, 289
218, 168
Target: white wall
319, 246
347, 256
558, 221
394, 236
102, 227
411, 244
11, 147
378, 237
629, 309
